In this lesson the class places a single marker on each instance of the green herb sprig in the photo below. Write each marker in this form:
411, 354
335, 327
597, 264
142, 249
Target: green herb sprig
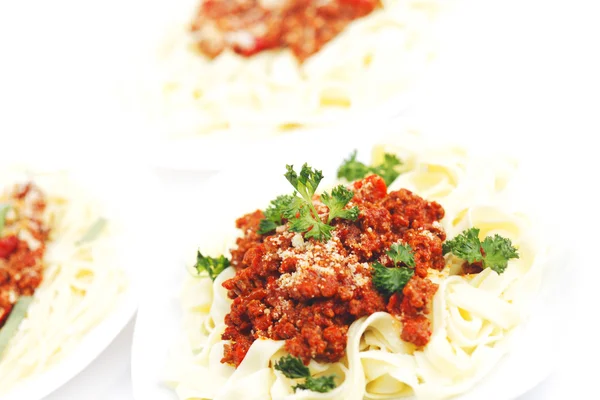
11, 325
391, 280
299, 210
351, 169
213, 266
494, 252
4, 208
274, 214
293, 368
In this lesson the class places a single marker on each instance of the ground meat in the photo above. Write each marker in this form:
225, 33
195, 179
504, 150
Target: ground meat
474, 268
249, 225
417, 294
250, 26
427, 249
22, 246
308, 293
410, 211
416, 330
8, 245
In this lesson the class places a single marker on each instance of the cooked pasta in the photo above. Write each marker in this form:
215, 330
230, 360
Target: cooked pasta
474, 316
376, 58
82, 281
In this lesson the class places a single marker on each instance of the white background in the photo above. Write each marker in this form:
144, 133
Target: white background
519, 75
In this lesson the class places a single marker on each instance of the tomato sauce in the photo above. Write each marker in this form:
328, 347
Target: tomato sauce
251, 26
22, 246
308, 292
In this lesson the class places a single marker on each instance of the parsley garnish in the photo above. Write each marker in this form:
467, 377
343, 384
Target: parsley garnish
351, 169
274, 214
3, 211
387, 169
340, 196
322, 384
213, 266
93, 232
302, 219
402, 253
494, 252
11, 325
293, 368
392, 280
301, 213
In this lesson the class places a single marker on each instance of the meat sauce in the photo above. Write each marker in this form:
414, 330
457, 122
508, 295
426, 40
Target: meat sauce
22, 246
250, 26
308, 292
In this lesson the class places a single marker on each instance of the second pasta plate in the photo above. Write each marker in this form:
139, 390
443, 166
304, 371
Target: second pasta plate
88, 287
190, 98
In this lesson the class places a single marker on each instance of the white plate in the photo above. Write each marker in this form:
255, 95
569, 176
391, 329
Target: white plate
210, 211
114, 188
215, 152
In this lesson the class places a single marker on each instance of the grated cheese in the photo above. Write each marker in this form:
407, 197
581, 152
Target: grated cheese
324, 260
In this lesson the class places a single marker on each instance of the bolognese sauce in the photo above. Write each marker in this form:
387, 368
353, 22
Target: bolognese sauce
22, 245
250, 26
308, 292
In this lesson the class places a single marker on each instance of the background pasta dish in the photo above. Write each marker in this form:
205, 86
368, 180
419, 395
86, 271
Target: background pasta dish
263, 67
444, 323
61, 277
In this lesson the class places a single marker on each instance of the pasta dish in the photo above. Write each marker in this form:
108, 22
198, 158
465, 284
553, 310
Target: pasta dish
58, 276
250, 67
406, 278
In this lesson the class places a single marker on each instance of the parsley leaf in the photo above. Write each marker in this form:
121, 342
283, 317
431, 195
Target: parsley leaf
387, 169
340, 196
293, 368
93, 232
351, 169
302, 215
301, 219
300, 212
322, 384
402, 253
11, 325
493, 253
266, 226
390, 280
466, 246
498, 251
213, 266
306, 183
3, 211
274, 214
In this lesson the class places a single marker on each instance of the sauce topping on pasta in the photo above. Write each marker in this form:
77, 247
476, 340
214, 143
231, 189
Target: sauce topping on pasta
250, 26
308, 292
23, 238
